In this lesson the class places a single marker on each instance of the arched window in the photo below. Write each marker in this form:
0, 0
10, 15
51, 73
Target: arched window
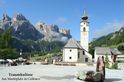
84, 29
83, 52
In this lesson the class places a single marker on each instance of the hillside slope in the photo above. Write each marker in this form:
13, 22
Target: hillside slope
111, 40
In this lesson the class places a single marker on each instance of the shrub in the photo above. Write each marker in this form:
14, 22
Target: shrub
107, 61
115, 66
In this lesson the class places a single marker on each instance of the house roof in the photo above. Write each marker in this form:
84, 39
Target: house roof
122, 52
73, 44
106, 50
115, 51
102, 50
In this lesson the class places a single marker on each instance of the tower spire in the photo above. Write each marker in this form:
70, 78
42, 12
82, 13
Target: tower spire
84, 14
84, 32
84, 17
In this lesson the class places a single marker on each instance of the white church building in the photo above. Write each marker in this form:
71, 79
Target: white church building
75, 51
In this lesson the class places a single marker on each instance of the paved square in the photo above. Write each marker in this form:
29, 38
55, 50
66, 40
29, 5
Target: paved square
52, 73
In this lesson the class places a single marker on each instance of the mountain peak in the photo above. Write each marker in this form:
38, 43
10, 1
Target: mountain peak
40, 23
19, 17
53, 32
23, 29
6, 17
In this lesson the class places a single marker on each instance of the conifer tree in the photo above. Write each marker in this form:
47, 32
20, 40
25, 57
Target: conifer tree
6, 51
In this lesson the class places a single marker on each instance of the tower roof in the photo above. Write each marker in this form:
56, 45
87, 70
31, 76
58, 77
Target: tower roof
84, 17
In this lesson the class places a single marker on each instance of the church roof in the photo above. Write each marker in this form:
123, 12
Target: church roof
106, 50
73, 44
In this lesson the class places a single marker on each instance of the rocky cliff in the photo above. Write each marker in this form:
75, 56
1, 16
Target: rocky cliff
53, 32
21, 28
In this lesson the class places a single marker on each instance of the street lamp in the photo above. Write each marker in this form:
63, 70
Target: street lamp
20, 52
20, 58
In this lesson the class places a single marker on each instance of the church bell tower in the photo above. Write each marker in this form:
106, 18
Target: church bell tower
84, 32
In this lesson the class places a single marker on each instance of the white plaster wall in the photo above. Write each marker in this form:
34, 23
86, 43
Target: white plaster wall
84, 24
84, 36
98, 55
63, 55
67, 54
120, 57
89, 56
74, 55
82, 57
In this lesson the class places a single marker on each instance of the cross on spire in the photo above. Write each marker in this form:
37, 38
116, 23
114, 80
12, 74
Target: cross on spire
84, 13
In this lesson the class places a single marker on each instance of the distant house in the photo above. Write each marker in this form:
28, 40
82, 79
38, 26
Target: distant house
73, 52
111, 52
120, 57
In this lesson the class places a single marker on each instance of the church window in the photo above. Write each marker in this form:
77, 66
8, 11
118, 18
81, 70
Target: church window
70, 50
86, 59
70, 57
83, 52
84, 29
78, 55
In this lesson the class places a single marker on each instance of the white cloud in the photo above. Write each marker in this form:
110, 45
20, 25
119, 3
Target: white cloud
61, 20
108, 28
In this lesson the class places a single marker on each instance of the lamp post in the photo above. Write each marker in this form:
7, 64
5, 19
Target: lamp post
20, 52
20, 58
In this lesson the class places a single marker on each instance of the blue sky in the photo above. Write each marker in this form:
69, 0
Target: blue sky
105, 16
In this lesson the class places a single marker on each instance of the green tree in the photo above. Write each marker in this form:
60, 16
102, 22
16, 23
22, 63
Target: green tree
107, 61
121, 47
115, 66
6, 39
6, 51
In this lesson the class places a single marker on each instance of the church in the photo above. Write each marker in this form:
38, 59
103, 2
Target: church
77, 51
